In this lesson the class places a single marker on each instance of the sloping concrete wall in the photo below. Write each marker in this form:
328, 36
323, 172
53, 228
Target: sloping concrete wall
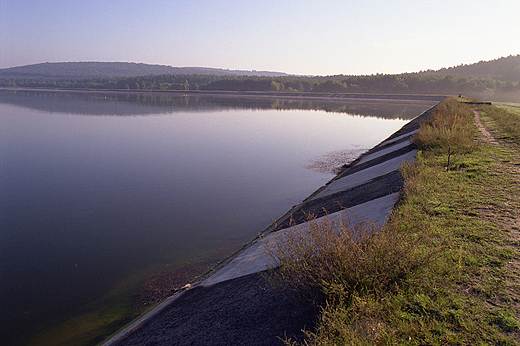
365, 191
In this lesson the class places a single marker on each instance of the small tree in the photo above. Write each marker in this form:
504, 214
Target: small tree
276, 86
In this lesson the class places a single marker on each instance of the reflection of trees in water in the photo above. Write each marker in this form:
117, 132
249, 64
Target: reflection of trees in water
111, 103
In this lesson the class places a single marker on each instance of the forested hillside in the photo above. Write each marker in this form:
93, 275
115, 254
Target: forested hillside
74, 70
505, 69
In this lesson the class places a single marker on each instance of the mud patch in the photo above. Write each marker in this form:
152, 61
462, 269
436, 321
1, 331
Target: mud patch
332, 162
159, 286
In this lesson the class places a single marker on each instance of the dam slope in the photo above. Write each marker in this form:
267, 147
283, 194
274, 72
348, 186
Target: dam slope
234, 304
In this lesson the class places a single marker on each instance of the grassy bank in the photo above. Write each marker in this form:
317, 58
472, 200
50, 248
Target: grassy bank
444, 271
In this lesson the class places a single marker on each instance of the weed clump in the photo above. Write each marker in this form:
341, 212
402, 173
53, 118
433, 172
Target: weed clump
448, 131
338, 259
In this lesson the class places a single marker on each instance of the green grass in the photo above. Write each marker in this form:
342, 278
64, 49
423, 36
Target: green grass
504, 120
509, 106
437, 274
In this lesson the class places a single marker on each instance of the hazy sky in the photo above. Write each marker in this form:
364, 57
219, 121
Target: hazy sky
315, 37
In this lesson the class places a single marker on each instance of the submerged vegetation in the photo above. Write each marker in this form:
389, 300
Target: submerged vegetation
444, 270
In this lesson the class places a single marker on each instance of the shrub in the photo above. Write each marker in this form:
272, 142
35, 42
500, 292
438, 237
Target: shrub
449, 130
450, 126
340, 259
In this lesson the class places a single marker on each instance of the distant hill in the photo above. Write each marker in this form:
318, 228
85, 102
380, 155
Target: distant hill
505, 69
117, 69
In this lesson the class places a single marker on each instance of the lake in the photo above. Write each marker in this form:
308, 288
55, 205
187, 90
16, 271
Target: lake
107, 198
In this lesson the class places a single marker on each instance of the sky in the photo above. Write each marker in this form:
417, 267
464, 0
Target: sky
306, 37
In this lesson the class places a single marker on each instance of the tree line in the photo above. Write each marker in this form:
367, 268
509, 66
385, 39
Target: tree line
409, 83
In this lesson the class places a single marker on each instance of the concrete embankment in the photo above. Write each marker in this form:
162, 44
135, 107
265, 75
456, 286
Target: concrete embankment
234, 304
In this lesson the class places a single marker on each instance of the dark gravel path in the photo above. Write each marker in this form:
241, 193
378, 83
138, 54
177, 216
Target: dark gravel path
243, 311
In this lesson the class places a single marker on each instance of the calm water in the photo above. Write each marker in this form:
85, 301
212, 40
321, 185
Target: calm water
96, 188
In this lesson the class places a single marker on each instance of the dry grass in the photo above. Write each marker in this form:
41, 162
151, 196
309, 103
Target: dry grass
339, 259
449, 130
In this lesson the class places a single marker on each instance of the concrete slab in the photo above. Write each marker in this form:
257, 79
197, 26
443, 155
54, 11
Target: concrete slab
365, 175
385, 151
395, 139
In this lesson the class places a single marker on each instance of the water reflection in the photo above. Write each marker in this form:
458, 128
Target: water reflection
113, 103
